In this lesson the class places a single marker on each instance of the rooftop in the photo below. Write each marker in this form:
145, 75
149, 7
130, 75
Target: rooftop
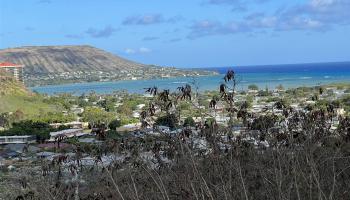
67, 131
9, 64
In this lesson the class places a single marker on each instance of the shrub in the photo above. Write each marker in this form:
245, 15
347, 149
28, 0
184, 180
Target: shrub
114, 124
169, 120
189, 121
253, 87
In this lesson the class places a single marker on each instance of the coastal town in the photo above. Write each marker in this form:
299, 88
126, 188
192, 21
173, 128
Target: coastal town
152, 72
172, 100
55, 65
98, 131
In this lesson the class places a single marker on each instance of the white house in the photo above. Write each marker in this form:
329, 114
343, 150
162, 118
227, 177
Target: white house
67, 133
17, 139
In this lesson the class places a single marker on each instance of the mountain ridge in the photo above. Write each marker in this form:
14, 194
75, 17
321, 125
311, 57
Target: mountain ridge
47, 65
66, 58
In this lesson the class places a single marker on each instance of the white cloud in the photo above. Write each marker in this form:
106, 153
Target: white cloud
141, 50
101, 33
321, 3
144, 50
149, 19
130, 51
313, 15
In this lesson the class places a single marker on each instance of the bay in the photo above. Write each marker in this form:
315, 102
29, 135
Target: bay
268, 76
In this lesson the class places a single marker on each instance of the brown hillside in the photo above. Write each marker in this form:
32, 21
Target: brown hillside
58, 59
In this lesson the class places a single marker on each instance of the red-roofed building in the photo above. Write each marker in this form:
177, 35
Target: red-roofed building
13, 69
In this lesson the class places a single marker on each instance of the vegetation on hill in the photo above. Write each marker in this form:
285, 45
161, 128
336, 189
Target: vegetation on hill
9, 86
15, 97
40, 130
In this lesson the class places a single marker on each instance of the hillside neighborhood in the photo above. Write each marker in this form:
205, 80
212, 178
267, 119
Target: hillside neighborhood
175, 100
19, 149
65, 138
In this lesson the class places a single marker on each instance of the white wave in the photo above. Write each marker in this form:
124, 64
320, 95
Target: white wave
305, 77
181, 82
282, 79
326, 77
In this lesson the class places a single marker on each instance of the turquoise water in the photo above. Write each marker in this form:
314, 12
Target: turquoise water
263, 76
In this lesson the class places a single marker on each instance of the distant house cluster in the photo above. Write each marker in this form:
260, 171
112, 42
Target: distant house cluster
14, 70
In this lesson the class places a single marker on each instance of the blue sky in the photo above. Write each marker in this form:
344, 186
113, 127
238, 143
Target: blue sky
186, 33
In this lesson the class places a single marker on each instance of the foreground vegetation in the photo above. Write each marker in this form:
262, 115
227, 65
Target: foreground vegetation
282, 152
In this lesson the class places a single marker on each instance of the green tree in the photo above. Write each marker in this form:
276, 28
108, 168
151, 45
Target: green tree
113, 134
125, 110
169, 120
250, 100
81, 101
4, 120
108, 103
189, 121
54, 117
40, 129
114, 124
253, 87
184, 106
95, 115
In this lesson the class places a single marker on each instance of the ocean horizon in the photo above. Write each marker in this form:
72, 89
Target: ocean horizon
270, 76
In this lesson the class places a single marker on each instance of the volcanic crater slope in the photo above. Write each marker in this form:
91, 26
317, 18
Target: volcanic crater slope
60, 59
53, 65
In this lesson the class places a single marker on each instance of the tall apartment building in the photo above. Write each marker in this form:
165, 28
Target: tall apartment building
13, 69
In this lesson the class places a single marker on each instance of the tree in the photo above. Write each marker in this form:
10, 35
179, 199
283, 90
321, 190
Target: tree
227, 91
280, 87
253, 87
40, 129
113, 134
263, 124
125, 110
59, 139
263, 93
321, 90
82, 102
95, 115
114, 124
55, 117
107, 103
18, 115
169, 120
189, 121
282, 103
4, 122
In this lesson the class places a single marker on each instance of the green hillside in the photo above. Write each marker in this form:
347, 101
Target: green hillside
9, 86
15, 96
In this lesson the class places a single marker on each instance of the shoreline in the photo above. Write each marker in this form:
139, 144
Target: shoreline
137, 86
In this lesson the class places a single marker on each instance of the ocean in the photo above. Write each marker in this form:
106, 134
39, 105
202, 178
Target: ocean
295, 75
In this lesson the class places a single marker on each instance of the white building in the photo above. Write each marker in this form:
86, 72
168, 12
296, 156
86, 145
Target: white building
67, 133
14, 70
17, 139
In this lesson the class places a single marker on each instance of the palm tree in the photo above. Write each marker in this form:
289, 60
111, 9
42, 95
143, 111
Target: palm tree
152, 90
59, 139
228, 96
185, 92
